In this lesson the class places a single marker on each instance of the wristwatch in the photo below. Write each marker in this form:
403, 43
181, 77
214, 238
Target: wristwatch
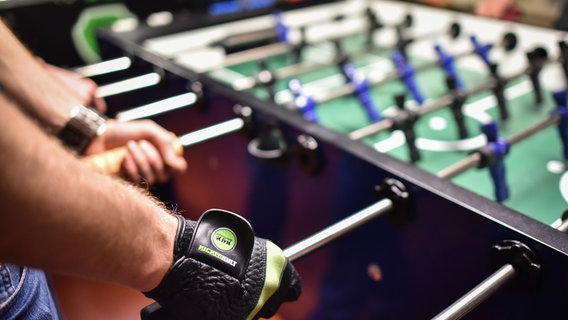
83, 126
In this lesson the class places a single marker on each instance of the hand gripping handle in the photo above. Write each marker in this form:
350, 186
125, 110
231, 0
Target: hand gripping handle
110, 161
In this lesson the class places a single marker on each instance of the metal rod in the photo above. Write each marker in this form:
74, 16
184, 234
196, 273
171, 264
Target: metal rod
278, 48
380, 80
234, 40
269, 50
563, 226
155, 108
295, 69
253, 54
104, 67
299, 68
430, 34
282, 73
300, 249
347, 89
553, 119
337, 230
474, 159
479, 294
460, 167
429, 106
342, 91
285, 72
302, 67
211, 132
263, 52
128, 85
376, 127
484, 290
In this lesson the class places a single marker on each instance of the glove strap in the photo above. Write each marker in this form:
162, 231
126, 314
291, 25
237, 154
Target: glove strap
183, 236
224, 241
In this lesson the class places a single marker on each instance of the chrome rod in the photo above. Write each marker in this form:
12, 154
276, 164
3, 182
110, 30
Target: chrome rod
369, 130
460, 167
269, 50
128, 85
158, 107
484, 290
429, 106
537, 127
282, 73
479, 294
474, 159
104, 67
254, 54
211, 132
563, 226
337, 230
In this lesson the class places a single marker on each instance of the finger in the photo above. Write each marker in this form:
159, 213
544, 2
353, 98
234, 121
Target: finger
172, 157
141, 161
99, 104
84, 88
87, 90
129, 170
165, 141
155, 161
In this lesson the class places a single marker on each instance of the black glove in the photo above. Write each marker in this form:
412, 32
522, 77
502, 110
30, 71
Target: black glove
222, 271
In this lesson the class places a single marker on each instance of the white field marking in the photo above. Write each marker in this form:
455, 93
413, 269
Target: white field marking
438, 123
395, 140
455, 145
555, 166
478, 109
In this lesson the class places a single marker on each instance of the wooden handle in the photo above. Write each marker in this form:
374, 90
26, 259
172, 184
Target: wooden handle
110, 161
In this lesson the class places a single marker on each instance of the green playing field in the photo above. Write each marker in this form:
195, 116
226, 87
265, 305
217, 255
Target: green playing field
534, 167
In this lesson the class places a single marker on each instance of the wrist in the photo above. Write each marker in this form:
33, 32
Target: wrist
164, 258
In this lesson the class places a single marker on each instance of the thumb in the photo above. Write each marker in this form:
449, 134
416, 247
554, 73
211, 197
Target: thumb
173, 155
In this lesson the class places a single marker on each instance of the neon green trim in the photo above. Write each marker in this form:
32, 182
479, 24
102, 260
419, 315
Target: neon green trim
90, 20
275, 264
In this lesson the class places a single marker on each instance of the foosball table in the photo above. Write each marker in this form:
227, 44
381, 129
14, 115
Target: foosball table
410, 160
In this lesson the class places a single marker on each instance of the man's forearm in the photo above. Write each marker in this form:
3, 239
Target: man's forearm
28, 83
58, 215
